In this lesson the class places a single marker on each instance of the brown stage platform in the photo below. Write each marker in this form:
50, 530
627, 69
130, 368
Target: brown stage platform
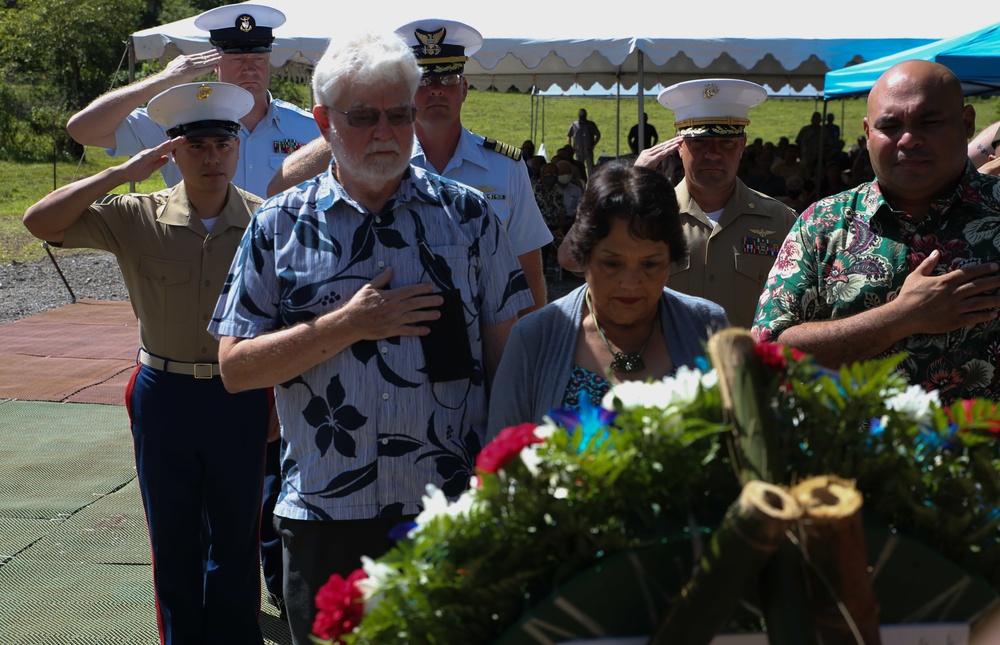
80, 353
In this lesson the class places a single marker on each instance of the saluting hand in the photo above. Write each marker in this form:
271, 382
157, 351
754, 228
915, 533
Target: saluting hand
141, 166
656, 156
185, 69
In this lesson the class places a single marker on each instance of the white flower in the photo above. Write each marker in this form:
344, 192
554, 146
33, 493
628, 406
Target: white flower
634, 394
679, 390
916, 403
529, 456
546, 429
462, 507
378, 578
436, 504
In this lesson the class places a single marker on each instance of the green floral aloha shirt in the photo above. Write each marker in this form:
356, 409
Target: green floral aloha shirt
851, 252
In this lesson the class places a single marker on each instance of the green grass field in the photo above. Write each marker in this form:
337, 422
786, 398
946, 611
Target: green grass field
506, 117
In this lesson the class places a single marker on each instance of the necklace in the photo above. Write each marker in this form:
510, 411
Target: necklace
620, 361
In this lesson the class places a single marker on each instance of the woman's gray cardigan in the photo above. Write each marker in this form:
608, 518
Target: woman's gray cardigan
538, 358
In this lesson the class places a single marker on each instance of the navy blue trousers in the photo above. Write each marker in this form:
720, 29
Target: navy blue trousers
199, 449
270, 541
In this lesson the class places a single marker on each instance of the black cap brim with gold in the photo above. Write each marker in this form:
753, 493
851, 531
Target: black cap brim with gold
717, 107
201, 109
441, 47
242, 28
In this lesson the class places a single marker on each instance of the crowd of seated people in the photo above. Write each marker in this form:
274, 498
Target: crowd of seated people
780, 171
775, 169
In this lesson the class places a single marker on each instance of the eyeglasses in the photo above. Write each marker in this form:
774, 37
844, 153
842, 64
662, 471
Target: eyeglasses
369, 117
446, 80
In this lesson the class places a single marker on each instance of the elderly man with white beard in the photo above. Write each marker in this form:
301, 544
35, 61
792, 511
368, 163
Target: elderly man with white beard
377, 298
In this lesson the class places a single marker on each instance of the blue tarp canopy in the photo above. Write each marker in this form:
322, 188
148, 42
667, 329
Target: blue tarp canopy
974, 58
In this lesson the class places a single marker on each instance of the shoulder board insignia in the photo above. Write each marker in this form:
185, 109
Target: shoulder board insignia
505, 149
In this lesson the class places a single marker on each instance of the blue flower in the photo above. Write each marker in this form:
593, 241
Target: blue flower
399, 531
591, 419
928, 441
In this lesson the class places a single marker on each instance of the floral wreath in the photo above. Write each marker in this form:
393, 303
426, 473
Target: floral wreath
551, 500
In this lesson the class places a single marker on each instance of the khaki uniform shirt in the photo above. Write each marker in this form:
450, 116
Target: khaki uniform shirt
173, 267
729, 264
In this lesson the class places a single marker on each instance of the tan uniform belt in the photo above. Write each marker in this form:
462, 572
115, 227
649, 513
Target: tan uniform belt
197, 370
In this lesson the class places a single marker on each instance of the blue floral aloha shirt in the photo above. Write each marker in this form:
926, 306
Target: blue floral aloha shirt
851, 252
364, 432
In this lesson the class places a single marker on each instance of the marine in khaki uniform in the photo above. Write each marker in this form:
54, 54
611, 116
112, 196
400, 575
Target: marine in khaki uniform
199, 449
730, 260
732, 231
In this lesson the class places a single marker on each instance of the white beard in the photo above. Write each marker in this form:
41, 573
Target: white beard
367, 171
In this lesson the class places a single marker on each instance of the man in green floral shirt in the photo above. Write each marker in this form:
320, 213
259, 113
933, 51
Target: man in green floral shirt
907, 263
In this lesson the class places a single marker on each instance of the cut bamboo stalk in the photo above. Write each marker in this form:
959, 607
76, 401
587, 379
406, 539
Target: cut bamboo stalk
746, 388
843, 600
753, 528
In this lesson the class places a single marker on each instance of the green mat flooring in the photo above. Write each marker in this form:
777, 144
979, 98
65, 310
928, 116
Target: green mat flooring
74, 550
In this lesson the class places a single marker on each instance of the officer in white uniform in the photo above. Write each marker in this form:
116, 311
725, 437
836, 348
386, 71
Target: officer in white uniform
242, 38
446, 147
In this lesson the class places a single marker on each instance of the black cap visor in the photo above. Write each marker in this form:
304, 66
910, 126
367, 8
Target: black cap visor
205, 129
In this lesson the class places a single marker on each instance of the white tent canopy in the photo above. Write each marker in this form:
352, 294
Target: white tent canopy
531, 44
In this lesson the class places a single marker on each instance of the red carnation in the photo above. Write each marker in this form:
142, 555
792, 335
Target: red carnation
773, 355
507, 445
989, 421
340, 605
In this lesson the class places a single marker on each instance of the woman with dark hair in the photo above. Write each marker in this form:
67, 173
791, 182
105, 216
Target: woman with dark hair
622, 324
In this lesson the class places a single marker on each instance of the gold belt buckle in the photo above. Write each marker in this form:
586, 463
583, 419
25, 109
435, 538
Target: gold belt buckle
203, 370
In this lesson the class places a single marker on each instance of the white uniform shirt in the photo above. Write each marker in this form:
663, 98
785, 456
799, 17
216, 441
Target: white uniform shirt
505, 184
283, 129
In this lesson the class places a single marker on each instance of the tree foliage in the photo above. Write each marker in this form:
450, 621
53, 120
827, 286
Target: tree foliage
73, 45
56, 56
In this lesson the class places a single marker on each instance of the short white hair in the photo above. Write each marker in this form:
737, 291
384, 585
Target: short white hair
366, 59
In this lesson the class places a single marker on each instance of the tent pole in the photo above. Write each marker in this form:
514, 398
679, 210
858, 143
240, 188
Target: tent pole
618, 114
131, 59
543, 121
820, 170
642, 102
531, 114
131, 79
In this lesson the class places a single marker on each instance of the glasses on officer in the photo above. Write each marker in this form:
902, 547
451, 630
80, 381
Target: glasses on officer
369, 117
447, 80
